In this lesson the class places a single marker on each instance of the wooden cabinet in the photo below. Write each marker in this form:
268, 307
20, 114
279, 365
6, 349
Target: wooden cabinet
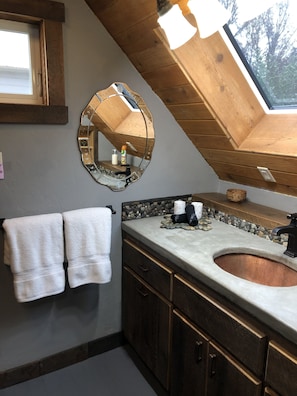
281, 370
192, 340
148, 268
226, 376
270, 392
146, 312
239, 338
189, 358
201, 367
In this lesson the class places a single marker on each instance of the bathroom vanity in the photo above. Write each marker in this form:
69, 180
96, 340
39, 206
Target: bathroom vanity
198, 328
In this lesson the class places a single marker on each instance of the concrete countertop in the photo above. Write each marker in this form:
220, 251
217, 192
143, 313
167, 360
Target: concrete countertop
194, 251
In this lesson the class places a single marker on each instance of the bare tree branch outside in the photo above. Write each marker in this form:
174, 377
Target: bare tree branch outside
268, 43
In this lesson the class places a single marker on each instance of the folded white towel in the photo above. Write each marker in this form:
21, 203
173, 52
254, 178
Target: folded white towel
88, 241
35, 250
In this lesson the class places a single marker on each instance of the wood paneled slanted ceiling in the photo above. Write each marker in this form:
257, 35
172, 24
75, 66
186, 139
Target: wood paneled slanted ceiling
198, 108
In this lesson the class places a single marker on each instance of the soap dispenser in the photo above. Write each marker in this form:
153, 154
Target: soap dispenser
124, 155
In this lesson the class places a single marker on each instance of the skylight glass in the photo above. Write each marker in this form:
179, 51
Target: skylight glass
264, 33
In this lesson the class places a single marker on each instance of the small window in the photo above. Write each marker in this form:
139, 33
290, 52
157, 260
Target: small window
20, 66
32, 91
266, 42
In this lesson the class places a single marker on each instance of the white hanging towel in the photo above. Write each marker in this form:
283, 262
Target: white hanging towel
34, 246
88, 241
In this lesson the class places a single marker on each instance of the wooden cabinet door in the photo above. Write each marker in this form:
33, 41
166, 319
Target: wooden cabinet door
189, 358
227, 378
281, 370
146, 321
238, 337
270, 392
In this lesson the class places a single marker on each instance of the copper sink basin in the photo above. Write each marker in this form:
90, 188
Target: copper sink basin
257, 269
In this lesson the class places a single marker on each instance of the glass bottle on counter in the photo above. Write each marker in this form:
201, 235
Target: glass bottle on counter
124, 155
114, 157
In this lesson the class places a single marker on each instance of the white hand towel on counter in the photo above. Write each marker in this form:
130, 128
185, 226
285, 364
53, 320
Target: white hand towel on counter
88, 242
35, 250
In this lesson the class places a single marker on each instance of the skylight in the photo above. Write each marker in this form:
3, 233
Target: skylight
264, 34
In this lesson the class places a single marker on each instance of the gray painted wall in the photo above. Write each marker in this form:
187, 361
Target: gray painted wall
44, 174
286, 203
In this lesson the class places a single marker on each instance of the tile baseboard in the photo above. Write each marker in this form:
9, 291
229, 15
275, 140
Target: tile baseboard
60, 360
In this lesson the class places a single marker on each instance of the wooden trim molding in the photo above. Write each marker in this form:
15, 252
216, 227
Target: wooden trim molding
32, 114
45, 9
60, 360
51, 15
249, 211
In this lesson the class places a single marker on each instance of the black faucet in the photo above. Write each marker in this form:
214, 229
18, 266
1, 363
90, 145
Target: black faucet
127, 173
290, 229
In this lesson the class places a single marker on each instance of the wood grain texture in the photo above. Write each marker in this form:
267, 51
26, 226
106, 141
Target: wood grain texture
46, 9
12, 113
255, 213
207, 94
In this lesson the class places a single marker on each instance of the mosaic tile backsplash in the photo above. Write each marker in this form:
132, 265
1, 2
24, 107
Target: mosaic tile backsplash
163, 206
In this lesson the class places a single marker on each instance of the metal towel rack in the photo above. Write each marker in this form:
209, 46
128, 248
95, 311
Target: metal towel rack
111, 208
107, 206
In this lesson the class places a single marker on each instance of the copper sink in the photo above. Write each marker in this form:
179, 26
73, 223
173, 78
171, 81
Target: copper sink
257, 269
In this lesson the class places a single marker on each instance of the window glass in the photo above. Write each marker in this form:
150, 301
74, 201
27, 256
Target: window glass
264, 33
19, 63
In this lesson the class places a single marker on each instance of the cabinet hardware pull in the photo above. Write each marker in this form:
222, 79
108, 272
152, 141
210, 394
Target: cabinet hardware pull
142, 292
198, 351
143, 269
213, 360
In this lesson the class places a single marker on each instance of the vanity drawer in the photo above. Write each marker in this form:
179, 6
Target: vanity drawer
281, 370
148, 268
246, 343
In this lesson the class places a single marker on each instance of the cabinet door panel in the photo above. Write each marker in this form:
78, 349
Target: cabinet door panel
227, 378
270, 392
246, 343
146, 321
189, 358
148, 268
281, 370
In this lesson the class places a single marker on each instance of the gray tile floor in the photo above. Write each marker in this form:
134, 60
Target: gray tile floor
110, 374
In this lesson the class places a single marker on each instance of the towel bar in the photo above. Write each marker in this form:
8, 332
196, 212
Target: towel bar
111, 208
108, 206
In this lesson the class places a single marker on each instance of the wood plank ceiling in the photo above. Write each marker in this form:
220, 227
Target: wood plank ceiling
131, 23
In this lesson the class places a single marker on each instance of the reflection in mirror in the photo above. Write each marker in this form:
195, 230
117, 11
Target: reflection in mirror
116, 117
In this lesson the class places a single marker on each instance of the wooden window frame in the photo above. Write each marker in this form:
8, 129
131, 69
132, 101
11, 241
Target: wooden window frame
51, 15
